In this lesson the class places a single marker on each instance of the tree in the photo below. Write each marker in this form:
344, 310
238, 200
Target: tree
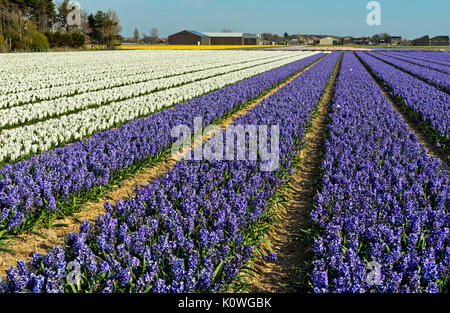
3, 44
147, 39
26, 36
40, 42
385, 37
61, 16
268, 37
227, 30
105, 28
95, 25
84, 27
77, 40
286, 36
44, 14
136, 36
40, 12
20, 19
58, 39
279, 39
406, 42
376, 38
112, 29
154, 34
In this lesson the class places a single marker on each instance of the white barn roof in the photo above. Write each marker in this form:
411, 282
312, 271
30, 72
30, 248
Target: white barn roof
223, 34
248, 35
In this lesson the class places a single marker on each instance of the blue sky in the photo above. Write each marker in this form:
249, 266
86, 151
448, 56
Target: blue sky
407, 18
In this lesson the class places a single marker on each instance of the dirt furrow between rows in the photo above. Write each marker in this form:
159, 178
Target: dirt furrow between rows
285, 238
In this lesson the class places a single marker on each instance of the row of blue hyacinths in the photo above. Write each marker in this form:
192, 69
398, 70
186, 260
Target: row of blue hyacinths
381, 218
430, 103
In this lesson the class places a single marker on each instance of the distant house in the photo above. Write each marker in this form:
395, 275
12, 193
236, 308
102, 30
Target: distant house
328, 41
310, 41
294, 42
396, 40
369, 41
422, 41
259, 40
251, 39
347, 40
361, 41
439, 41
161, 41
302, 40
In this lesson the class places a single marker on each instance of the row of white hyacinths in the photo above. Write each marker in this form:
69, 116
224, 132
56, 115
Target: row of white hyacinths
16, 116
80, 78
44, 135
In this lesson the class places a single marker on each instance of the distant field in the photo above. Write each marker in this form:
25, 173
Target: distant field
318, 48
289, 47
224, 47
430, 48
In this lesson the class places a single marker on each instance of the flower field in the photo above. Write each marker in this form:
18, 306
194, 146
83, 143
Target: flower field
190, 47
434, 76
430, 104
378, 219
383, 198
41, 125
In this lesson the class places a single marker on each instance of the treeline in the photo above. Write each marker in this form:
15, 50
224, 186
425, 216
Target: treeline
42, 24
58, 39
274, 38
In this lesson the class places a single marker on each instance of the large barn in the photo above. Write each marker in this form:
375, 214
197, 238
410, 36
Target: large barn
422, 41
439, 41
191, 37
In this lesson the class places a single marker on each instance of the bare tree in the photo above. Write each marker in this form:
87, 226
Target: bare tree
154, 34
84, 27
227, 30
